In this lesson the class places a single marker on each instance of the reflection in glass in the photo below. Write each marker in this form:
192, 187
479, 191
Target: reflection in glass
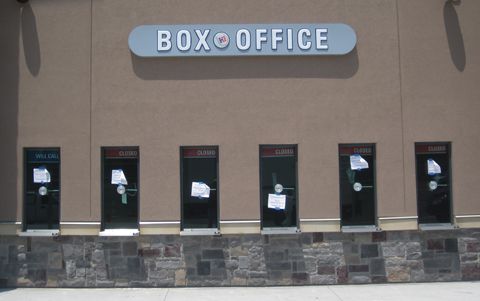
357, 187
120, 211
42, 199
199, 164
433, 188
278, 165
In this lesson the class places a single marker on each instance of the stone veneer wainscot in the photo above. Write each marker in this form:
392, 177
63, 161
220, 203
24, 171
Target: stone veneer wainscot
240, 260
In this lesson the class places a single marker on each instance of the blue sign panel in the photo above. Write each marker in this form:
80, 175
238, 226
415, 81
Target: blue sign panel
241, 40
43, 156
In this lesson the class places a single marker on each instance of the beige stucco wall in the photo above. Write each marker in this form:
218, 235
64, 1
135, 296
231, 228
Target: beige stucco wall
79, 87
440, 98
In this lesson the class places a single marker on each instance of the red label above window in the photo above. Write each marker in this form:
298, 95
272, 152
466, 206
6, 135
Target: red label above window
200, 152
278, 151
121, 153
358, 149
431, 148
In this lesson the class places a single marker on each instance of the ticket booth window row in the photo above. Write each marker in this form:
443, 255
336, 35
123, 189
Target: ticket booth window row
199, 170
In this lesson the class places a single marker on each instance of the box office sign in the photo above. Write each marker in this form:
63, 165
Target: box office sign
241, 40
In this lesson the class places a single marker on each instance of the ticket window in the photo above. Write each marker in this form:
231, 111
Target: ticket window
199, 182
278, 182
42, 189
433, 183
357, 184
120, 187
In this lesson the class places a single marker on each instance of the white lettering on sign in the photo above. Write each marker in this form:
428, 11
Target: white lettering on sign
184, 40
362, 150
302, 33
261, 37
273, 37
302, 39
321, 37
164, 43
289, 39
276, 38
130, 153
243, 39
202, 40
44, 156
284, 151
206, 152
437, 148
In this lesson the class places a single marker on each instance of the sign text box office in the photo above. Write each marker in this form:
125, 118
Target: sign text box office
241, 40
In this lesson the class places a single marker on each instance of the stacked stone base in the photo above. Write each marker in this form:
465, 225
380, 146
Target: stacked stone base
240, 260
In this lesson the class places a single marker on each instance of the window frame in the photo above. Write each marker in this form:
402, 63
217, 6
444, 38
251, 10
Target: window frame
297, 203
448, 144
375, 201
102, 189
217, 159
24, 186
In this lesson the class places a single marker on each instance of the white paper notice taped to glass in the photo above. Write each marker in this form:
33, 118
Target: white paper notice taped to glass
277, 201
357, 162
433, 168
200, 190
41, 175
118, 177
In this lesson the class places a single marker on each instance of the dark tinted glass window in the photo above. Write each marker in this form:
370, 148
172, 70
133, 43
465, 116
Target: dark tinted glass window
120, 187
357, 184
199, 187
278, 169
42, 188
433, 182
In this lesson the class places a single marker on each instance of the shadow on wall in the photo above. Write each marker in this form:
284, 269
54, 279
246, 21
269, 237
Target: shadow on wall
9, 77
192, 68
31, 46
454, 34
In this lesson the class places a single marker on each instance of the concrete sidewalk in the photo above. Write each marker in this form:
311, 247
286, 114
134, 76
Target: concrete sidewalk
464, 291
